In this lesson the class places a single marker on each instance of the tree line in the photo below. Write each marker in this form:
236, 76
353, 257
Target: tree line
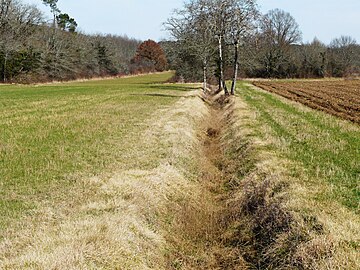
34, 49
213, 41
217, 40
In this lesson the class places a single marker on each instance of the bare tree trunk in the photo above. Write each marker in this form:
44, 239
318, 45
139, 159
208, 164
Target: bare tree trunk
5, 64
221, 73
54, 22
236, 68
205, 76
221, 67
220, 84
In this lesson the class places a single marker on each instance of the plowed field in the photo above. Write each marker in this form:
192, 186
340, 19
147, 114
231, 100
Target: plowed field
340, 98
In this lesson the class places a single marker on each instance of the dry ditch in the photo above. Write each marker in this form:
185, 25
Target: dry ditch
246, 224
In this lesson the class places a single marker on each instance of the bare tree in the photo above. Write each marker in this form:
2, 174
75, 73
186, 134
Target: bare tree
202, 31
207, 26
191, 28
280, 28
243, 15
221, 13
17, 23
53, 8
313, 59
342, 55
279, 31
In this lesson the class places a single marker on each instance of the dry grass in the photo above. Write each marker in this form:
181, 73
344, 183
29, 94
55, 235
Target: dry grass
123, 218
252, 221
282, 198
201, 185
121, 221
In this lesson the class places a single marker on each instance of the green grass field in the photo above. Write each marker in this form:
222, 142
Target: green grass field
52, 134
327, 148
312, 161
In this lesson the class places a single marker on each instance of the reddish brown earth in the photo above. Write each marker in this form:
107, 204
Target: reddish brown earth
340, 98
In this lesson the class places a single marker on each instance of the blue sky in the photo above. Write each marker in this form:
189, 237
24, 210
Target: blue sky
142, 19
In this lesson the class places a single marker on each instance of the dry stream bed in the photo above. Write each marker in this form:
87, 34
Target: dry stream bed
262, 211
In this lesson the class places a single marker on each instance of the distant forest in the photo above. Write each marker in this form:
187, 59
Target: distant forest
259, 60
34, 48
224, 39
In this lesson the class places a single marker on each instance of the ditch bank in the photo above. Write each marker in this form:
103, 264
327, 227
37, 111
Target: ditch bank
243, 222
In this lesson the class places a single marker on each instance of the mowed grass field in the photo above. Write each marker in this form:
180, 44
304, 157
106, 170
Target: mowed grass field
52, 135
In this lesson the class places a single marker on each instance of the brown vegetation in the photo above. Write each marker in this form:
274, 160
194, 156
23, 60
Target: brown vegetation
149, 57
255, 227
269, 220
337, 97
245, 222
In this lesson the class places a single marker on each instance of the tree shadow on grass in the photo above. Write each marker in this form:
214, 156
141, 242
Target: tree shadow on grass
157, 95
174, 87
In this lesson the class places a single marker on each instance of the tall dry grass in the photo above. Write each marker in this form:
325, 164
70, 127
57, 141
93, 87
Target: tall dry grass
274, 219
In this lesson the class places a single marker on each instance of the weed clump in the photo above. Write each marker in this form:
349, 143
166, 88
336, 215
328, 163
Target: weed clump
263, 234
